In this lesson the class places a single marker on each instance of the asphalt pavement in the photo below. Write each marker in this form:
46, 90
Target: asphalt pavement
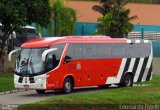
31, 96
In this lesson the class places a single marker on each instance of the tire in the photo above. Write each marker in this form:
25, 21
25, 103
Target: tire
104, 86
40, 91
67, 86
128, 81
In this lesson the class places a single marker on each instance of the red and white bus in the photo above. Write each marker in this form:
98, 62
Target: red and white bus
68, 62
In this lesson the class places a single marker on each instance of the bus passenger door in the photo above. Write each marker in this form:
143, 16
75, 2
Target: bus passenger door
72, 63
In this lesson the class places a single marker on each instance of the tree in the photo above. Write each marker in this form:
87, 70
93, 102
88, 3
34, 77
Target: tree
17, 13
104, 8
108, 5
63, 19
115, 21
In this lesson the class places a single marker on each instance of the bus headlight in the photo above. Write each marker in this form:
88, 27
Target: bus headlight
41, 79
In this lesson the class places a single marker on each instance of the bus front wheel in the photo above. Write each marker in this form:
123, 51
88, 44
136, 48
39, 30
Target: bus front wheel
68, 86
40, 91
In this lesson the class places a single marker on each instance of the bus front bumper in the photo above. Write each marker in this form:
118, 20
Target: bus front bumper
38, 82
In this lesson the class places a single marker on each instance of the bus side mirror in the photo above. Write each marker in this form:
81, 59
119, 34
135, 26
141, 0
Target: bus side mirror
12, 52
44, 54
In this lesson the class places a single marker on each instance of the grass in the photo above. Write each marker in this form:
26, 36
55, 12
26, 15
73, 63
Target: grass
6, 82
6, 79
91, 101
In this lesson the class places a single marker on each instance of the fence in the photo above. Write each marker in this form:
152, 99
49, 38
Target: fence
146, 35
153, 36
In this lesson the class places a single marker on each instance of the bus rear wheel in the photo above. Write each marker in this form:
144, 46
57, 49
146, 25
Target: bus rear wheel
68, 86
40, 91
128, 81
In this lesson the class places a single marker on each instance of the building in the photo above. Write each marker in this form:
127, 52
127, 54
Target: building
148, 16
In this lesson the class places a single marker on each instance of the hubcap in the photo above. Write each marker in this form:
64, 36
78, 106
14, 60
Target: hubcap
68, 87
128, 81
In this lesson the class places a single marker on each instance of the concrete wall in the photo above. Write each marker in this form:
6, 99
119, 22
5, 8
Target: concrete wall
156, 66
88, 28
148, 14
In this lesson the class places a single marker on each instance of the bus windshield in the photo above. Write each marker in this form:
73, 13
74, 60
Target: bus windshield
24, 35
29, 61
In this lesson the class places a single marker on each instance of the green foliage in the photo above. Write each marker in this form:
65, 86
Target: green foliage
108, 5
104, 8
17, 13
6, 82
115, 21
63, 19
38, 11
134, 1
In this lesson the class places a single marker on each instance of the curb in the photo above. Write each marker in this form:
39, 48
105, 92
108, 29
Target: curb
12, 91
141, 85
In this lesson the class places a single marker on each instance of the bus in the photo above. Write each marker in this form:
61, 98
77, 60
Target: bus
62, 63
16, 39
26, 33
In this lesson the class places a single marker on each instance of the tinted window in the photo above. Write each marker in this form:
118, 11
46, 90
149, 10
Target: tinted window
89, 51
138, 50
118, 50
82, 51
97, 51
29, 61
24, 35
29, 30
74, 51
54, 57
104, 50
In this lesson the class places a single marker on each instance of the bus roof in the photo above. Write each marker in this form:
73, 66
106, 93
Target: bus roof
46, 42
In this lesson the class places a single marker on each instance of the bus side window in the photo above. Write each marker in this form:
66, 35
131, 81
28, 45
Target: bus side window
138, 50
49, 65
131, 51
54, 57
89, 51
104, 50
143, 49
118, 51
73, 53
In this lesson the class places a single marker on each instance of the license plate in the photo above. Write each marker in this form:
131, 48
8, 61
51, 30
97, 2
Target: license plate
26, 86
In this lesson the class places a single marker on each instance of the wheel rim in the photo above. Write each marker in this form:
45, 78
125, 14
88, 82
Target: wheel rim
128, 81
68, 87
